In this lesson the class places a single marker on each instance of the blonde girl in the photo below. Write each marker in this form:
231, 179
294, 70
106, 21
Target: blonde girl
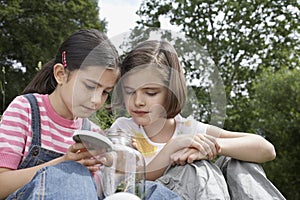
179, 150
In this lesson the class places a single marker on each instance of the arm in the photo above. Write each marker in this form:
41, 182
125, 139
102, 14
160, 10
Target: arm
159, 163
204, 145
11, 180
243, 146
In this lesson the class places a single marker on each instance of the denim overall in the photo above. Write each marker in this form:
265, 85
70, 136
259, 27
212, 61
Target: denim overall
66, 180
69, 179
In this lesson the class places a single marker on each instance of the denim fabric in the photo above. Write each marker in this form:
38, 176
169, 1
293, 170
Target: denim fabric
66, 180
157, 191
38, 155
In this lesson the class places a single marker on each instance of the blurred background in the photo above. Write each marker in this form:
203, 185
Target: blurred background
253, 45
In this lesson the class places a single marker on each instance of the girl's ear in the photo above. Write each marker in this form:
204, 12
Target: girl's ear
59, 73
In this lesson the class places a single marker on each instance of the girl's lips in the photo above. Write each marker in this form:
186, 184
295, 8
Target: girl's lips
140, 112
90, 109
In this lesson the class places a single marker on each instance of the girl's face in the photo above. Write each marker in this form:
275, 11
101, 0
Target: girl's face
144, 95
87, 90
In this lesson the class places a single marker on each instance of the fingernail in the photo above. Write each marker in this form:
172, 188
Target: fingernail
103, 159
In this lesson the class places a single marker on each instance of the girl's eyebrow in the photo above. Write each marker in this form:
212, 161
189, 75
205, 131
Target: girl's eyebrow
144, 88
98, 84
128, 87
152, 88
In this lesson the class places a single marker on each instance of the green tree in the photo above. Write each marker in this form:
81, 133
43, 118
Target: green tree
241, 37
31, 32
277, 109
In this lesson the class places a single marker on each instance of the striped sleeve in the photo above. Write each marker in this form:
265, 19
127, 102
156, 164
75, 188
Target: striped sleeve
14, 128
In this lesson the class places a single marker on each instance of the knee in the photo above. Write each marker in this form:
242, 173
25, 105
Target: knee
72, 167
234, 166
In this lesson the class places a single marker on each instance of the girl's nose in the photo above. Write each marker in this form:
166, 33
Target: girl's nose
97, 99
138, 99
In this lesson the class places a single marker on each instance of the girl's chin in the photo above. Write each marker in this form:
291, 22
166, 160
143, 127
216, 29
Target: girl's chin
145, 122
141, 122
83, 114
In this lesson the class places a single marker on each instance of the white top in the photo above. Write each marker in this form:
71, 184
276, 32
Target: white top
150, 149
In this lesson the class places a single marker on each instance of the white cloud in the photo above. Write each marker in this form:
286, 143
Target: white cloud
119, 14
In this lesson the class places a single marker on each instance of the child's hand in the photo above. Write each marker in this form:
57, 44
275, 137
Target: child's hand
133, 143
77, 152
185, 155
105, 160
206, 146
188, 155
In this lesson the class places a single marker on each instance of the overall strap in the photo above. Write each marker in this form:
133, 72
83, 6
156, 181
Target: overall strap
35, 120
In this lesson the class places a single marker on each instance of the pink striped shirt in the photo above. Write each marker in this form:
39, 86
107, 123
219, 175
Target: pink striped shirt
16, 135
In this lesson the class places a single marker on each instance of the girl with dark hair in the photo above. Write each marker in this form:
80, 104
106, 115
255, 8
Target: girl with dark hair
178, 150
37, 153
38, 158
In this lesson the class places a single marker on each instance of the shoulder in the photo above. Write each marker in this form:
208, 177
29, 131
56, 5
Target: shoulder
40, 98
185, 121
19, 105
16, 118
190, 124
20, 99
20, 109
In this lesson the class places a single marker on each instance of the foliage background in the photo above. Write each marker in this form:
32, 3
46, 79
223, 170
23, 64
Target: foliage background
255, 47
32, 31
253, 44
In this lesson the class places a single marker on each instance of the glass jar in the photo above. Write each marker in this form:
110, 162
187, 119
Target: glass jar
126, 171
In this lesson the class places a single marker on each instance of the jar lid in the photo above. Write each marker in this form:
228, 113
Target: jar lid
92, 140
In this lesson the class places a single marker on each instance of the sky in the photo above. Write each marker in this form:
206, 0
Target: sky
121, 17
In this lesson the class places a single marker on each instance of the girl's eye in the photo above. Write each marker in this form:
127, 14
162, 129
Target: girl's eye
106, 92
129, 92
89, 87
151, 93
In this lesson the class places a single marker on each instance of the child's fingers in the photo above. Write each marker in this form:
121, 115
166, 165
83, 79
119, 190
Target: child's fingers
93, 168
88, 162
203, 145
209, 145
215, 142
134, 144
218, 148
76, 147
106, 159
214, 146
187, 155
179, 157
194, 156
